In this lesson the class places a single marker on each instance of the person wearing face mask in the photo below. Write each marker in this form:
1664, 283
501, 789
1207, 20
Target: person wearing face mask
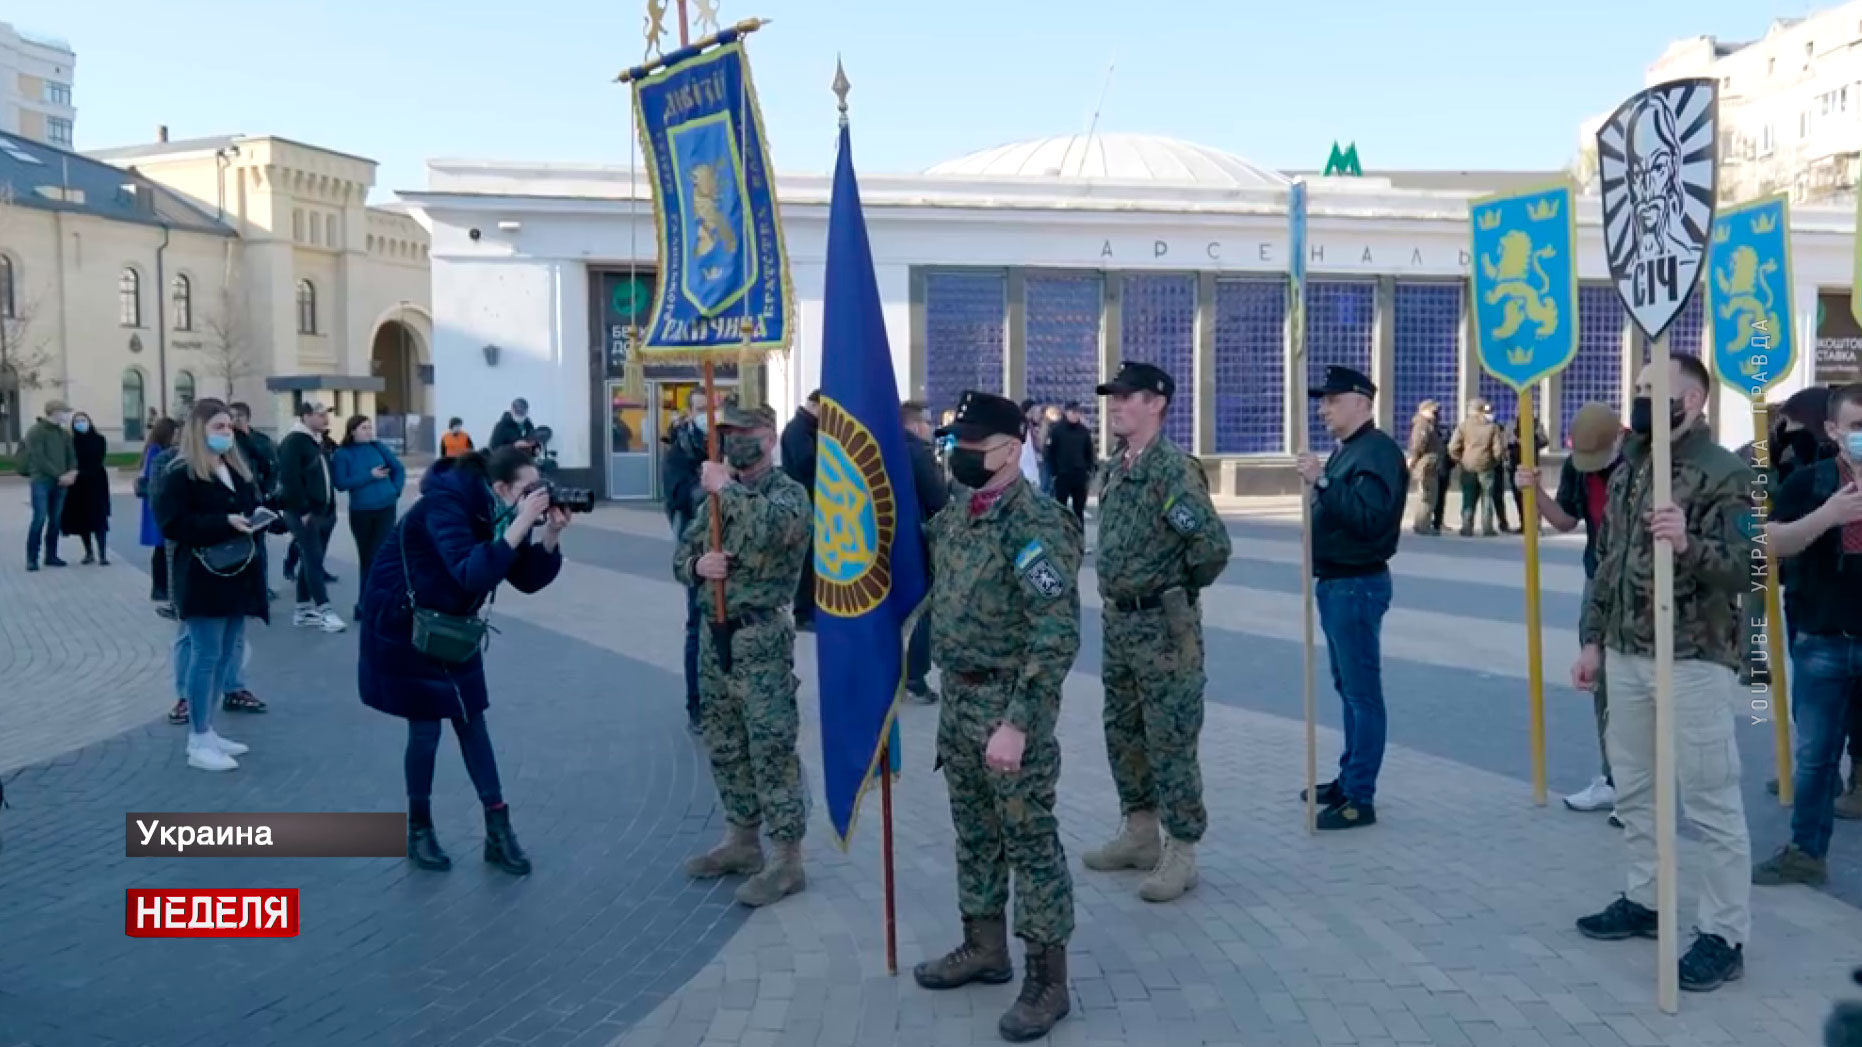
87, 502
1160, 544
50, 462
1706, 525
1817, 523
933, 492
1005, 629
374, 478
1583, 494
482, 520
217, 574
515, 429
747, 682
685, 452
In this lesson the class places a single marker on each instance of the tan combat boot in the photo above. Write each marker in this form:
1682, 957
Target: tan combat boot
778, 880
1175, 872
1044, 999
1849, 804
1135, 847
740, 854
983, 957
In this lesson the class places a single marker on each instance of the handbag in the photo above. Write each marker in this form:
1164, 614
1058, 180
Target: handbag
448, 638
228, 558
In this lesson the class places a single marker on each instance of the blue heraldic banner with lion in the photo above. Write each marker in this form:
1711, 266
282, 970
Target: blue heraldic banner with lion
1749, 296
724, 269
870, 558
1525, 284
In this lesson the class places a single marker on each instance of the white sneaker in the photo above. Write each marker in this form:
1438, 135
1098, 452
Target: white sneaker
1594, 797
225, 745
205, 756
328, 620
306, 615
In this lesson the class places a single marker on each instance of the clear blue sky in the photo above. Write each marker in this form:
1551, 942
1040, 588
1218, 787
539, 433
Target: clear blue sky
1459, 85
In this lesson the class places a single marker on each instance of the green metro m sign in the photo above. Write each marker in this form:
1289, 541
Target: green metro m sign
1343, 162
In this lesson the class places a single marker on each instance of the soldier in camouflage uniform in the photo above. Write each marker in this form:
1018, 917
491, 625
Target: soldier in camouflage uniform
1706, 525
1425, 453
747, 677
1005, 627
1160, 544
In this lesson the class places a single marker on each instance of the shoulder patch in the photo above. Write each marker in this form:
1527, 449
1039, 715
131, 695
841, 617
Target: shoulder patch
1036, 571
1181, 515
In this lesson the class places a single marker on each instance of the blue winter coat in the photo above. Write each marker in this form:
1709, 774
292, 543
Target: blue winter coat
151, 534
455, 564
352, 471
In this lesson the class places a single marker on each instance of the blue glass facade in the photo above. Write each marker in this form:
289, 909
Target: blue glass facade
1159, 327
1062, 362
1688, 331
1597, 371
1427, 348
1250, 366
965, 325
1340, 329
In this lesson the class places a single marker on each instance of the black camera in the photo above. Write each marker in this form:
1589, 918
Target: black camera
568, 499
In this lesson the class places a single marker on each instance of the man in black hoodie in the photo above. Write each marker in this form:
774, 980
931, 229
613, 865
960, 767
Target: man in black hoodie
798, 460
515, 429
307, 499
1071, 459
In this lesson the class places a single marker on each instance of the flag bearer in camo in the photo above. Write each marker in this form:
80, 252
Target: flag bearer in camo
1005, 627
1160, 544
747, 679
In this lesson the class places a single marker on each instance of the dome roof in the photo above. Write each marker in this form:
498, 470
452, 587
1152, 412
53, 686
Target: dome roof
1126, 158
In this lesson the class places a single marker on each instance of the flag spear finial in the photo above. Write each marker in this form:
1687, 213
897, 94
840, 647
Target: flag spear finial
841, 86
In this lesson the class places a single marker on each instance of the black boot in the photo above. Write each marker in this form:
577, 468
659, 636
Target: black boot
501, 846
423, 848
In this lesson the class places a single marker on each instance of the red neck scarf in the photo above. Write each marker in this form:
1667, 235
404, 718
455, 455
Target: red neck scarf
982, 500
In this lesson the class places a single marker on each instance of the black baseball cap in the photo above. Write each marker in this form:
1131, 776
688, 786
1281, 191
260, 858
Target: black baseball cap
1343, 380
981, 415
1134, 377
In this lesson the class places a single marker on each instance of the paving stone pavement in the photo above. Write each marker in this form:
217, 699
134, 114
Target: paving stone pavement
1449, 923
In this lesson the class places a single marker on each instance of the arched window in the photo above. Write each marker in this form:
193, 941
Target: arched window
7, 305
181, 294
306, 307
135, 410
129, 298
184, 393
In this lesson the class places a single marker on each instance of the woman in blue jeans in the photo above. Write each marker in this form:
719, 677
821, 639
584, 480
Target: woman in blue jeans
217, 579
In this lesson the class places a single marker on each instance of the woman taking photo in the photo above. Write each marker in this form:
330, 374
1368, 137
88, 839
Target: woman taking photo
423, 632
87, 503
161, 438
217, 579
374, 477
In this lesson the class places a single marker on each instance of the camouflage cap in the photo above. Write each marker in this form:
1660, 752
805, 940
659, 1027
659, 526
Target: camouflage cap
731, 416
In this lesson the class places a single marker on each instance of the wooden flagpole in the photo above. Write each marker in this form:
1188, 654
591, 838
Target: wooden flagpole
1302, 444
1661, 458
1774, 622
1529, 529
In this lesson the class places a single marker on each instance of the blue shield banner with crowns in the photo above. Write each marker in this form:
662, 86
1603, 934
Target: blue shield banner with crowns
1749, 296
724, 267
1525, 284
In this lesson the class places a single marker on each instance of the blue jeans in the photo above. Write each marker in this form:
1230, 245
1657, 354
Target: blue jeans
213, 651
1826, 671
1351, 612
48, 507
183, 651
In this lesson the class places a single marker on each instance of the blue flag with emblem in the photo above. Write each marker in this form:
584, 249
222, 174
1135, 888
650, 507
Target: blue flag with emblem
1749, 296
724, 285
870, 573
1525, 284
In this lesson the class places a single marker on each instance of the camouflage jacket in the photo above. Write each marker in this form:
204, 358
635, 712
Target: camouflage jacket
1714, 489
1425, 439
1157, 527
1005, 597
1477, 445
767, 523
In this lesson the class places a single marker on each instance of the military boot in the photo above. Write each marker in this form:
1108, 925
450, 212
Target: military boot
1135, 847
1849, 804
778, 880
1174, 874
739, 854
983, 957
1044, 998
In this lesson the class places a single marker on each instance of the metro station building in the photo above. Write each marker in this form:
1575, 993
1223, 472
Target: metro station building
1032, 270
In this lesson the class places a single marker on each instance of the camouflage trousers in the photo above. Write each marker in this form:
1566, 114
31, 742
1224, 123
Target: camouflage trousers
1004, 821
1154, 717
749, 722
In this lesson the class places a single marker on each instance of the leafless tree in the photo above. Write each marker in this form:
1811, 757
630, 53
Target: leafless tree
227, 344
24, 351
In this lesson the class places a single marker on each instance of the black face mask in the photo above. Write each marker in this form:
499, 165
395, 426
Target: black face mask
967, 468
1642, 416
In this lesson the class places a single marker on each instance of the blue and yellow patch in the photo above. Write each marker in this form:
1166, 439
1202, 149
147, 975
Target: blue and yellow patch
1181, 516
1036, 571
855, 517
